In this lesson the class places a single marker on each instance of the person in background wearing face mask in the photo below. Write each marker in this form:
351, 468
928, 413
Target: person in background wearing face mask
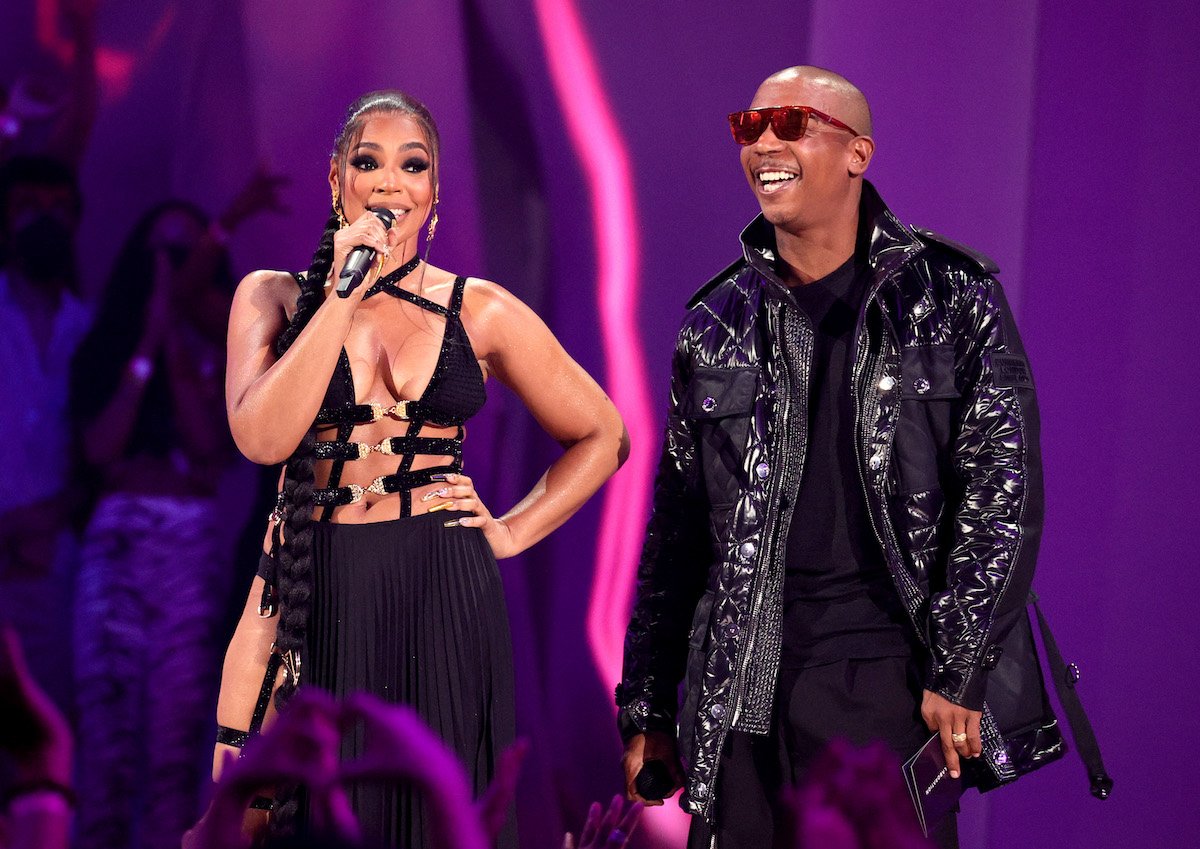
148, 405
42, 321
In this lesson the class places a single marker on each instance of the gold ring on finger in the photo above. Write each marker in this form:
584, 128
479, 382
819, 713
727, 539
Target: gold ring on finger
959, 738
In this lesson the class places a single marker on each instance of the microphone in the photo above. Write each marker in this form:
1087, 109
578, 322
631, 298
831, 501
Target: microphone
360, 259
654, 780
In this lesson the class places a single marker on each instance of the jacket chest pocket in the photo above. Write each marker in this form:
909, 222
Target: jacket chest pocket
719, 402
928, 406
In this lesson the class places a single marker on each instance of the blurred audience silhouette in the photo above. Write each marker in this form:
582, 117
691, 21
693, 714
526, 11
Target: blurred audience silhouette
301, 748
852, 798
43, 321
154, 576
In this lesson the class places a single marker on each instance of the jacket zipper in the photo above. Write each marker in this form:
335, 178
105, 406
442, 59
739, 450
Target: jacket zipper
891, 551
788, 481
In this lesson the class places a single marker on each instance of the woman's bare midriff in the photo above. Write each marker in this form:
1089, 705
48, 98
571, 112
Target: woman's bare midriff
373, 507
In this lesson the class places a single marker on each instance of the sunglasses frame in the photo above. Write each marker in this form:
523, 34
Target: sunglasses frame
769, 113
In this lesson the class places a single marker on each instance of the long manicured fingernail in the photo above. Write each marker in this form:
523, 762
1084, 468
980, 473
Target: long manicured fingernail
453, 523
437, 477
445, 505
437, 493
954, 773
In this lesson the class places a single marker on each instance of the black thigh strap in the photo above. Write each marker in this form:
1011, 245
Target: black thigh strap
264, 693
231, 736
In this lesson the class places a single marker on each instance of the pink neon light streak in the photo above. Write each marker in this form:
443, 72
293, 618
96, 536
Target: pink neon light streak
605, 160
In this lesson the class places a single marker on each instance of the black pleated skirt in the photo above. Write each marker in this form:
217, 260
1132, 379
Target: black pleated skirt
414, 612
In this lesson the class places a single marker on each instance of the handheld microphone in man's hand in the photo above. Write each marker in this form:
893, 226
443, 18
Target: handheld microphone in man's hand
360, 259
654, 781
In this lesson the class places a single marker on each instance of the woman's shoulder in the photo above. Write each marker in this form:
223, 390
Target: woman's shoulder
268, 287
487, 299
497, 318
270, 281
481, 299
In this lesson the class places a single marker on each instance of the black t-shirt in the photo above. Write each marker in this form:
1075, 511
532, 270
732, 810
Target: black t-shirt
839, 600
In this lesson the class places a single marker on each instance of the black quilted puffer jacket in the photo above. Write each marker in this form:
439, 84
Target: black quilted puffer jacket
947, 436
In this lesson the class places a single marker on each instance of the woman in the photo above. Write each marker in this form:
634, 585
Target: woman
385, 577
151, 588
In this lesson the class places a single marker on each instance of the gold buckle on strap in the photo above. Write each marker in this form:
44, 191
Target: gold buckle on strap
364, 449
398, 410
357, 492
291, 662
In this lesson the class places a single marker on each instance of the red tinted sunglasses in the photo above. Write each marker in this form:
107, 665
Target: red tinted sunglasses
787, 122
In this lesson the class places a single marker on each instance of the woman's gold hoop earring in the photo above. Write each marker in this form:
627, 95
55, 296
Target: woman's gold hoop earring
433, 222
337, 208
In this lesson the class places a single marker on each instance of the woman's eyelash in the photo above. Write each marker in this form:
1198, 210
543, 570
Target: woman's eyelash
415, 165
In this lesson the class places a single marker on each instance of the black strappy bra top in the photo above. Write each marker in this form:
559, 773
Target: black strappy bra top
455, 393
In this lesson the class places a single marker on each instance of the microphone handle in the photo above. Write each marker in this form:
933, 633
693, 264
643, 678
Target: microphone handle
355, 270
654, 780
360, 259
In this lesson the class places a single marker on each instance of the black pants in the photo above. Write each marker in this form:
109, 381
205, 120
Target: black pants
856, 700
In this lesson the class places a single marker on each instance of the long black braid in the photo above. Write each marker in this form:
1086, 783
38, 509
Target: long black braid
295, 555
294, 571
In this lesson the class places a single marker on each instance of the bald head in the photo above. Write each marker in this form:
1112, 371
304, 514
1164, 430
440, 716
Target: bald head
810, 185
824, 90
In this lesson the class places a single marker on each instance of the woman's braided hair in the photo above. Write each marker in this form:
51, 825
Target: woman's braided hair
294, 571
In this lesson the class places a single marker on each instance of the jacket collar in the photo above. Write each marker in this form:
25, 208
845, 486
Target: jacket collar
889, 242
760, 252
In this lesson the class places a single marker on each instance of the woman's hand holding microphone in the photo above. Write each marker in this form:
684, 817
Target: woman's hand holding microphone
368, 231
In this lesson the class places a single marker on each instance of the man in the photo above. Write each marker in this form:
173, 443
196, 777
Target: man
853, 422
42, 322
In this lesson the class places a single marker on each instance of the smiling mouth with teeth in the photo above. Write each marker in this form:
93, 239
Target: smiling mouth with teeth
397, 214
773, 181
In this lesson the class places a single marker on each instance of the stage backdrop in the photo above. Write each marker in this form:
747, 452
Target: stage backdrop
1057, 137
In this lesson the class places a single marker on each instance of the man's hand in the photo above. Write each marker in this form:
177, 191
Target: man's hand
956, 725
651, 746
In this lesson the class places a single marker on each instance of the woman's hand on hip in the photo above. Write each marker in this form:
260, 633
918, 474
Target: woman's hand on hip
458, 493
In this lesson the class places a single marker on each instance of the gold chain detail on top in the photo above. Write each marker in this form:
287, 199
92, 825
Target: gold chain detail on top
384, 447
357, 492
399, 410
